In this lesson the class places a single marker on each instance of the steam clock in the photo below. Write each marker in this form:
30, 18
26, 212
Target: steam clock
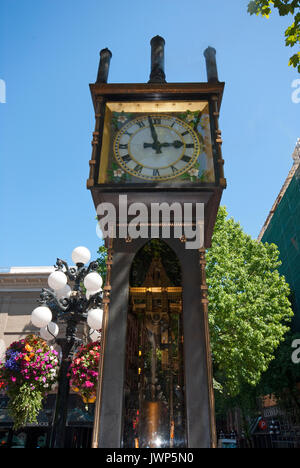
156, 143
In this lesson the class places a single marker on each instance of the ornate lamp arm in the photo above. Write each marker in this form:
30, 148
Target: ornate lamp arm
47, 297
70, 272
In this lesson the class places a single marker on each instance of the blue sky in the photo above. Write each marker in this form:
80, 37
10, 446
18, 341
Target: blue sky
49, 53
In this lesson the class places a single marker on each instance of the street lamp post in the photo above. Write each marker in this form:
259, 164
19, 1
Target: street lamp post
69, 304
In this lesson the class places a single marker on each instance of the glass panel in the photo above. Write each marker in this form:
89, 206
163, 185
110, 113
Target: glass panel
41, 441
154, 413
19, 440
128, 157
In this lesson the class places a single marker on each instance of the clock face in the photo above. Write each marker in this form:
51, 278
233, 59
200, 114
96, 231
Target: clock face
156, 147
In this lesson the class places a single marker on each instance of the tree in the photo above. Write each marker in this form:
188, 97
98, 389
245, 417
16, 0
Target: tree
249, 309
283, 375
284, 7
102, 251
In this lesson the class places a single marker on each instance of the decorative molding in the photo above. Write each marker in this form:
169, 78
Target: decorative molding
105, 302
204, 304
219, 141
24, 279
95, 143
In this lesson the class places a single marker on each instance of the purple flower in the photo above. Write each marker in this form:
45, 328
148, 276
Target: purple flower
11, 360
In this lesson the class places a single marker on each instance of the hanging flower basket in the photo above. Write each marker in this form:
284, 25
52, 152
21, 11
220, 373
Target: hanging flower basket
29, 372
84, 372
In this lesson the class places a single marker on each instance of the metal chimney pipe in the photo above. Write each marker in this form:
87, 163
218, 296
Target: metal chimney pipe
105, 57
157, 74
211, 65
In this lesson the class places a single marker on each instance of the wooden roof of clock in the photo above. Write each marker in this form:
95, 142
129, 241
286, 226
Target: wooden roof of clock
156, 91
157, 87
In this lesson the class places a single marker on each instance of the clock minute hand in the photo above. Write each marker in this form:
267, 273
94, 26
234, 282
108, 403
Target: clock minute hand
156, 145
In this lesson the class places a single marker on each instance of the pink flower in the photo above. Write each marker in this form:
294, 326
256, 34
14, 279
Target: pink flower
13, 379
89, 384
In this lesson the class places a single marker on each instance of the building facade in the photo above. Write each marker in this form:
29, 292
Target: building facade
282, 227
19, 292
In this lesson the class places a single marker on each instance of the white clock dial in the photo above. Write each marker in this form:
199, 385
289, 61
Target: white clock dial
156, 147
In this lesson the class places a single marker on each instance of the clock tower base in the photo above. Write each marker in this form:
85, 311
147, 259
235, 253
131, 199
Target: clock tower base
199, 420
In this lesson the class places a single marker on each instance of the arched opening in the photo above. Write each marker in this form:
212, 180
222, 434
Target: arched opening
154, 408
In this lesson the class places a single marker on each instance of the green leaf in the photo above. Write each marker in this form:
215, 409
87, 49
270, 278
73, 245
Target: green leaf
284, 7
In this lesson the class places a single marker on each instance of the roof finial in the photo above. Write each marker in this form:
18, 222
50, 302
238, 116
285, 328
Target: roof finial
105, 56
157, 74
211, 65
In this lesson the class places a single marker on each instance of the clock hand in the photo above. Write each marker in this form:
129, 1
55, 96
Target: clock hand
176, 144
156, 144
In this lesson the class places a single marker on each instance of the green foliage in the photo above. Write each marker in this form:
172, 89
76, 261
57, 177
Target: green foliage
102, 251
283, 375
24, 405
249, 308
284, 7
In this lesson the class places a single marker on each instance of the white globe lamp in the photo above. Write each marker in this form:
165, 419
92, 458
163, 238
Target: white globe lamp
93, 281
50, 332
94, 319
88, 294
81, 255
57, 280
41, 317
95, 335
64, 292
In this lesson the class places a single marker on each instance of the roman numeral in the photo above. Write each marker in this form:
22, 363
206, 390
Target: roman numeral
138, 169
186, 158
140, 124
174, 169
126, 158
190, 145
156, 173
157, 121
121, 146
185, 133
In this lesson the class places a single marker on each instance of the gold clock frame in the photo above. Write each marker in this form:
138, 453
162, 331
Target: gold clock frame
151, 107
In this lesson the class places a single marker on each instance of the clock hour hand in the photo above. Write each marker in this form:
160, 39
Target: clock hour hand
176, 144
157, 145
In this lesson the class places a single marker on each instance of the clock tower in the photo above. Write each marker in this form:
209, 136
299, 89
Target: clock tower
156, 153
